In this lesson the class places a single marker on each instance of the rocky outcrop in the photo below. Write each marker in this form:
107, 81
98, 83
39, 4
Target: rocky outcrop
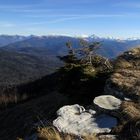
125, 81
76, 120
107, 102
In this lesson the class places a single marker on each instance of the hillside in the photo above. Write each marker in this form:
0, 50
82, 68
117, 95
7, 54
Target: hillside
98, 120
20, 120
125, 81
56, 45
36, 56
40, 111
51, 45
26, 61
17, 68
8, 39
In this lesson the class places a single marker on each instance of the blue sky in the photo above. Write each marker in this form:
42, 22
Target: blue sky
117, 18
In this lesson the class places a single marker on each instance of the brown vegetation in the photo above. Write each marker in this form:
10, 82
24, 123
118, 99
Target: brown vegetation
129, 126
20, 120
126, 76
50, 133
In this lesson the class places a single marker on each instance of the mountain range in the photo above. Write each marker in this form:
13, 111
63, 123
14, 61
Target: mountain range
24, 58
7, 39
55, 44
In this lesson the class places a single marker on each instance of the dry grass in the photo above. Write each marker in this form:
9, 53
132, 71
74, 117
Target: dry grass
126, 76
91, 137
122, 63
19, 120
11, 99
50, 133
131, 110
129, 128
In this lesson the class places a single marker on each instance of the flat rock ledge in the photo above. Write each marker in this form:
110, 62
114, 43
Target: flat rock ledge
107, 102
76, 120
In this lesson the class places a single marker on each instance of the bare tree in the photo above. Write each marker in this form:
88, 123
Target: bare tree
69, 46
89, 49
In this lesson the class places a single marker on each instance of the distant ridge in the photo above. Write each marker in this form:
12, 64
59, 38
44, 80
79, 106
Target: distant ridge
18, 53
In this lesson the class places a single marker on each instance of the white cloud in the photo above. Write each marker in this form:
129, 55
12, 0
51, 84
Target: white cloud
69, 16
76, 17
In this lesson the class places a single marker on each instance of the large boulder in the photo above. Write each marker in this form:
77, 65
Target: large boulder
125, 81
107, 102
75, 120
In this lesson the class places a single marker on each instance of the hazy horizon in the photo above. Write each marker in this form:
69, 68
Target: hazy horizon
68, 35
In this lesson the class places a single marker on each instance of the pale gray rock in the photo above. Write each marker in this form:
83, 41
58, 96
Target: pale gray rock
107, 137
70, 110
75, 120
107, 102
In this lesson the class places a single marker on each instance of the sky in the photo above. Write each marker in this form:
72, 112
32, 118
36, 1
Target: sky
104, 18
